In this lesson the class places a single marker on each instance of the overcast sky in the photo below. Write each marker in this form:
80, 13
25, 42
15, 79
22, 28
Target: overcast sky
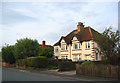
50, 20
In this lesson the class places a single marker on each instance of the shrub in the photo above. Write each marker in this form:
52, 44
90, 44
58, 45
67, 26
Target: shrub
65, 66
87, 63
26, 48
64, 60
21, 62
52, 62
7, 54
38, 62
47, 52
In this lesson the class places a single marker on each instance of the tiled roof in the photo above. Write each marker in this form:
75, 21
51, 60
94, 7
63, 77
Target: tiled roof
49, 46
85, 34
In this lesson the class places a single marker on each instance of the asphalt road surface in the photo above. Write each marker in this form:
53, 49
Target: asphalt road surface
9, 74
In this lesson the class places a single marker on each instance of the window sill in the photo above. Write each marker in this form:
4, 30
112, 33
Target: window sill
64, 50
87, 49
76, 49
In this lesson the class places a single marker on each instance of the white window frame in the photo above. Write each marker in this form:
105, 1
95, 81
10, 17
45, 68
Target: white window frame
78, 46
76, 57
87, 45
65, 48
56, 49
64, 57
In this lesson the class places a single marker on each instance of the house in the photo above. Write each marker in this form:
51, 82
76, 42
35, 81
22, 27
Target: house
44, 46
78, 45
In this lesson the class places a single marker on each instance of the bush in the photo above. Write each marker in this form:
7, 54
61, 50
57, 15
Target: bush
52, 62
26, 48
87, 63
64, 60
38, 62
47, 52
105, 62
65, 66
21, 62
8, 55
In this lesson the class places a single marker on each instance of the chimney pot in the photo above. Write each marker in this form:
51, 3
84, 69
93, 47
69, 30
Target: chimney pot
79, 26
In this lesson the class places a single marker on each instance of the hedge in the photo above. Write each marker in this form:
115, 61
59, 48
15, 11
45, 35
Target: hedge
66, 66
87, 63
64, 60
21, 62
37, 62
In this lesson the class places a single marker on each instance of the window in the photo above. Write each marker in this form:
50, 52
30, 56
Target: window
56, 49
87, 45
76, 57
64, 57
96, 56
63, 47
76, 46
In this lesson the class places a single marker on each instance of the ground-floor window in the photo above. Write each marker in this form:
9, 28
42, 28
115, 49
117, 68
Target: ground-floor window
64, 57
76, 57
96, 56
88, 56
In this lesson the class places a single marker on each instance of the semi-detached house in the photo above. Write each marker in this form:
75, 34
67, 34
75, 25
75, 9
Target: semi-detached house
78, 45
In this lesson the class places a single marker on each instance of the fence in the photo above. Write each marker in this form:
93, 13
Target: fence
107, 71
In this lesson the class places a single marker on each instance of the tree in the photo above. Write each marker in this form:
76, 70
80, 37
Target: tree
47, 52
8, 55
108, 42
26, 48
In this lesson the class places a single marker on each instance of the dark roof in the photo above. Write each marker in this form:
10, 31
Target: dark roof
85, 34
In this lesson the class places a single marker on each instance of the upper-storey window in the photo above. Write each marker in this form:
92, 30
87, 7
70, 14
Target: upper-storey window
87, 45
56, 49
64, 47
76, 46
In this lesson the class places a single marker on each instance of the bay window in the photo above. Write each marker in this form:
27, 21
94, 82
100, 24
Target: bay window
64, 47
76, 46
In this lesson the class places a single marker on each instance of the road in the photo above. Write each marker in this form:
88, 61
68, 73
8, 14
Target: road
10, 74
13, 74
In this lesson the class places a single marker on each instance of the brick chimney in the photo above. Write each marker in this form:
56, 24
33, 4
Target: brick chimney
79, 26
43, 43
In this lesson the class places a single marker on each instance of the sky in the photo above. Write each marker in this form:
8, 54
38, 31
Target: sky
50, 20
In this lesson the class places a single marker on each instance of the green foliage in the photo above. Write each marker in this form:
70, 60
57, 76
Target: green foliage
66, 66
52, 62
38, 62
105, 62
21, 62
108, 42
87, 63
7, 54
47, 52
26, 48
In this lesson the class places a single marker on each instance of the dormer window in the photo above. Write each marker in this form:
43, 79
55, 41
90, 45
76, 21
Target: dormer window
64, 47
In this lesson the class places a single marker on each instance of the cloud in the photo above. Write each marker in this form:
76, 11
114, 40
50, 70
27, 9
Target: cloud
49, 21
